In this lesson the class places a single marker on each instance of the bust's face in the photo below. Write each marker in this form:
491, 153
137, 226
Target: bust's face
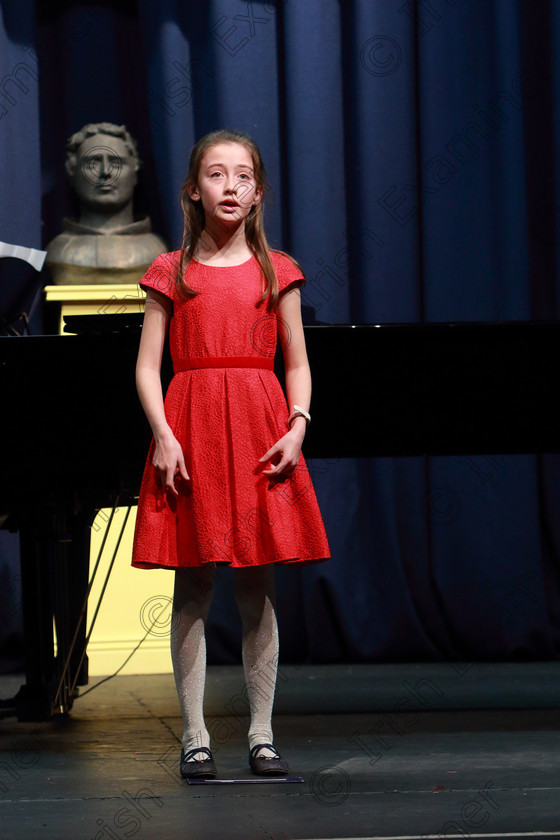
104, 175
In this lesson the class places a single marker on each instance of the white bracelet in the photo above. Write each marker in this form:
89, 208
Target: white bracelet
299, 412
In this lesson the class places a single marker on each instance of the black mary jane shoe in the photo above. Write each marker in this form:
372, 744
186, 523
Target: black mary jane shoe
199, 768
262, 766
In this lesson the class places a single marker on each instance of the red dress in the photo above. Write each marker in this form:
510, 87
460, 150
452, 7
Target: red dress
226, 408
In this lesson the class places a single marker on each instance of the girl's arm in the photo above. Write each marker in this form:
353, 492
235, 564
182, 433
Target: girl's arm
168, 456
298, 383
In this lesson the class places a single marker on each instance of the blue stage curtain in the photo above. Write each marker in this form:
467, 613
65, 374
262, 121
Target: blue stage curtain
411, 147
20, 159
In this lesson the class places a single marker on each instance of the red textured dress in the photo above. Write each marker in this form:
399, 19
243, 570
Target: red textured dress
226, 408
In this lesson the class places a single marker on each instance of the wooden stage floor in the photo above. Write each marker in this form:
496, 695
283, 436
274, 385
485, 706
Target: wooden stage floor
385, 751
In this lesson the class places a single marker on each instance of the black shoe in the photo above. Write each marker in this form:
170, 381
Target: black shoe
197, 769
261, 766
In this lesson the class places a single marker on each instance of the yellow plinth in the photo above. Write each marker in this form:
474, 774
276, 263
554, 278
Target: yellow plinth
100, 299
136, 606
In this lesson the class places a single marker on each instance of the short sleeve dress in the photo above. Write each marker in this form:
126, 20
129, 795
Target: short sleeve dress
226, 408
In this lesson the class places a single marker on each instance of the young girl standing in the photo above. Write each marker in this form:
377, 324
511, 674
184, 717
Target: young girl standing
224, 481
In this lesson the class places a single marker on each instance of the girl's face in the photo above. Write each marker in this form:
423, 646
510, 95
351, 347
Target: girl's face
226, 184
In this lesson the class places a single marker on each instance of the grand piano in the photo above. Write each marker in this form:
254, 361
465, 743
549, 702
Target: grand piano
75, 439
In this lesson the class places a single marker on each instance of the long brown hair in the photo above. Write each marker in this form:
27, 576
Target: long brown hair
254, 228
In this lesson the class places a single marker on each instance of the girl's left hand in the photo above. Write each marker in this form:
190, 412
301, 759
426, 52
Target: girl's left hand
289, 448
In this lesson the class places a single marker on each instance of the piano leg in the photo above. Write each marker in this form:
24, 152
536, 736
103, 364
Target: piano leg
54, 546
33, 699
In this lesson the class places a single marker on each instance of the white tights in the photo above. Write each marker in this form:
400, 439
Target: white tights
254, 594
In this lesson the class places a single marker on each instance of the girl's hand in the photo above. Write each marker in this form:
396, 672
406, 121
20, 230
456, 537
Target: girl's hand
288, 448
169, 462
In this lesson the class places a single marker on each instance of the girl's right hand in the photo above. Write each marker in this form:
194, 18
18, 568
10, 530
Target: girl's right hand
169, 462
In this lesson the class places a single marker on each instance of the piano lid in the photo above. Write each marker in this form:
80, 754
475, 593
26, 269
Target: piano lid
433, 389
71, 416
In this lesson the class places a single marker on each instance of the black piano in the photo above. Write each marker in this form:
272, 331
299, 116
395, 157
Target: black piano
75, 439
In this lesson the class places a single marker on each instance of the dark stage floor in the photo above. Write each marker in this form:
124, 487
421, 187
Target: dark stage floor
384, 751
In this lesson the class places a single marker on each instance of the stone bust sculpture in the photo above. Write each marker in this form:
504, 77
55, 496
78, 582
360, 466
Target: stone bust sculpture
106, 244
